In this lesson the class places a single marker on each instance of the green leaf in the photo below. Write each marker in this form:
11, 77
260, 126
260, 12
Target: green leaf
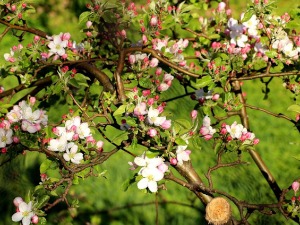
42, 201
214, 36
184, 123
127, 183
294, 108
278, 68
116, 135
120, 110
203, 82
247, 15
145, 83
45, 165
84, 17
271, 54
180, 141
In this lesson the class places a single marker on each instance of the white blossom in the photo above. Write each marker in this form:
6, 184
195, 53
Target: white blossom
24, 213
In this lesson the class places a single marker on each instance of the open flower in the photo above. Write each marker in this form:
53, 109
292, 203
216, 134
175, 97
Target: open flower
24, 213
59, 144
5, 137
58, 45
150, 177
72, 155
153, 117
236, 130
182, 154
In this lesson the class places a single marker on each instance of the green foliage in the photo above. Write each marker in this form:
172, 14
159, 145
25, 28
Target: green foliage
96, 82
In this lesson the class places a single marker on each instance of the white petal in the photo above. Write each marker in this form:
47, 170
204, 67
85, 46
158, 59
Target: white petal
17, 217
23, 207
66, 157
152, 185
142, 184
27, 219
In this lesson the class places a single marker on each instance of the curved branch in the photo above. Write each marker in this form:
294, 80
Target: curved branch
255, 155
99, 75
267, 74
278, 115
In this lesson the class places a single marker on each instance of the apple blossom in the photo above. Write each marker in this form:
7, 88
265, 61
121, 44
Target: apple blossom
236, 130
71, 153
182, 154
140, 109
5, 137
24, 213
59, 144
153, 117
9, 56
151, 175
57, 45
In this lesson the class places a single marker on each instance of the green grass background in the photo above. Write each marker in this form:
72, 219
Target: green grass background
103, 201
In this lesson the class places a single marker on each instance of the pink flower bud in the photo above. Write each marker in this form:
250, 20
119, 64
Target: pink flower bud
215, 97
13, 8
152, 132
153, 62
255, 141
16, 139
66, 36
131, 59
194, 114
208, 137
75, 137
35, 219
32, 100
173, 161
146, 93
99, 145
144, 39
150, 101
17, 201
90, 139
228, 12
36, 38
123, 33
295, 186
153, 21
89, 24
204, 130
221, 6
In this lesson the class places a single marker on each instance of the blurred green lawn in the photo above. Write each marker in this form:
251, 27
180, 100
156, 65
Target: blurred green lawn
103, 200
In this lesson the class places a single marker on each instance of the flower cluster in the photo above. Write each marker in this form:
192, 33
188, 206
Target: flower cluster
152, 171
173, 49
25, 212
206, 130
234, 131
58, 44
23, 115
152, 115
72, 131
294, 207
13, 55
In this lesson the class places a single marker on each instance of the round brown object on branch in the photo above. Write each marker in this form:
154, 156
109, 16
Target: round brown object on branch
218, 211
